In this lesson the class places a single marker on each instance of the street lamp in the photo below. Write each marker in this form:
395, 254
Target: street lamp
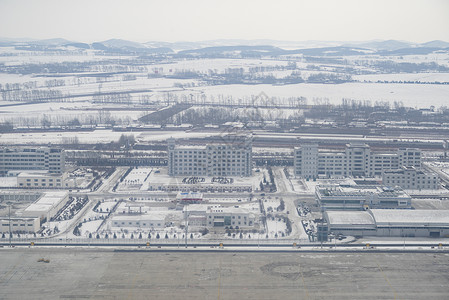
10, 233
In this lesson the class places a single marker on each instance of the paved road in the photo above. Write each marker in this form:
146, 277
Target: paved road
105, 274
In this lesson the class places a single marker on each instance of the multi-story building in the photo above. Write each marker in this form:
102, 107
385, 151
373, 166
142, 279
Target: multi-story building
356, 160
411, 178
359, 197
28, 158
221, 159
306, 160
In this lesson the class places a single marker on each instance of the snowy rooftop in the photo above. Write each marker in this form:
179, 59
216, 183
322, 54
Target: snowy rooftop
52, 198
350, 217
394, 216
143, 217
37, 174
359, 191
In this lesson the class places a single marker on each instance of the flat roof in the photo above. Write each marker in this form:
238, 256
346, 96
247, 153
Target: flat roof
410, 216
143, 217
350, 217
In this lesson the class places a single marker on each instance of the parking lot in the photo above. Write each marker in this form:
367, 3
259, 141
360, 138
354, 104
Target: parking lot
107, 274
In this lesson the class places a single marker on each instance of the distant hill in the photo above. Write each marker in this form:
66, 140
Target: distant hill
245, 48
51, 42
78, 45
381, 45
227, 49
119, 43
435, 44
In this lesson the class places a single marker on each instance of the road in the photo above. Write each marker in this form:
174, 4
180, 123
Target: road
285, 191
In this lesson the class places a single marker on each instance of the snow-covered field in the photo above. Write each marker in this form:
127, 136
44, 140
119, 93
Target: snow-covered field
413, 95
275, 226
135, 179
421, 77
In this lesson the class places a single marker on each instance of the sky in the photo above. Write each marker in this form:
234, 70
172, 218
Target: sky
200, 20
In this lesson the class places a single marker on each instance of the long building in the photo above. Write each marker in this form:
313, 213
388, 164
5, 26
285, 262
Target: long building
218, 159
32, 158
356, 160
360, 197
389, 222
411, 178
19, 224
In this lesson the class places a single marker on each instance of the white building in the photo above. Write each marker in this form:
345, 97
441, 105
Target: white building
359, 197
306, 161
389, 222
32, 158
220, 159
19, 224
356, 160
411, 178
40, 179
227, 216
147, 221
207, 215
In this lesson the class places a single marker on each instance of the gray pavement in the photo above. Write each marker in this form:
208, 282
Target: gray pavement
105, 274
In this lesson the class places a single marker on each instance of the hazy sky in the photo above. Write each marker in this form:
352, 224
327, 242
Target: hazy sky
196, 20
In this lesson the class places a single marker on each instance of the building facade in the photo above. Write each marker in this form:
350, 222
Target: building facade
19, 225
221, 216
221, 159
356, 160
411, 178
31, 158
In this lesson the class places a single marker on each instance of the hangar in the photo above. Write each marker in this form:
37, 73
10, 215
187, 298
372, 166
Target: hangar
389, 222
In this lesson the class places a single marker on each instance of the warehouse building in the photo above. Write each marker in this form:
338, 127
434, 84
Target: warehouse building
48, 205
389, 223
356, 160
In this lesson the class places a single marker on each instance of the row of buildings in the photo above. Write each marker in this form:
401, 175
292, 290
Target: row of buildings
357, 160
43, 167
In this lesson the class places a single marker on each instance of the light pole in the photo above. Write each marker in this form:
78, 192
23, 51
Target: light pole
9, 217
187, 224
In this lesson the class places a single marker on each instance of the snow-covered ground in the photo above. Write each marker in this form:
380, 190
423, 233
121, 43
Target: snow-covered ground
136, 179
276, 226
422, 77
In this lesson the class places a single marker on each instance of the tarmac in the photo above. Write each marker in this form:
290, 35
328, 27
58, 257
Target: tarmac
98, 273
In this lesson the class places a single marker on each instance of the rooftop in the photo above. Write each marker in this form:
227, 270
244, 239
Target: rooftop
395, 216
350, 217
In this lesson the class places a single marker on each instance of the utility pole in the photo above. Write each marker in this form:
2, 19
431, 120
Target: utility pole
187, 224
10, 234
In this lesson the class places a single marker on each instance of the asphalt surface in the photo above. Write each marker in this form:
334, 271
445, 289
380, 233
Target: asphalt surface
107, 274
